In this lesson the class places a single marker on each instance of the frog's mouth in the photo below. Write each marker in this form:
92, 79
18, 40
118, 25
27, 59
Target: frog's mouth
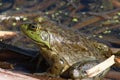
40, 44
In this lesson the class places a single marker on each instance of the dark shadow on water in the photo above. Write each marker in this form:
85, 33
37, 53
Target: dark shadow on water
4, 7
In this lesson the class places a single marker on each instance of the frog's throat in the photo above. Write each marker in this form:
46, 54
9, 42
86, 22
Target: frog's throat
41, 44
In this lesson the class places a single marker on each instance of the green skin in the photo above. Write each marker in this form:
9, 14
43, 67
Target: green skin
67, 52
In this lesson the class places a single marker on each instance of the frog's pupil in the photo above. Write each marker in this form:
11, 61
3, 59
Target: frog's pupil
32, 27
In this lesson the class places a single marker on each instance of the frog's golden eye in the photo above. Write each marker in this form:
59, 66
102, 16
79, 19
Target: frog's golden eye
44, 35
32, 27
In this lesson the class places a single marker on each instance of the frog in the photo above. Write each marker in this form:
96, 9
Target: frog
68, 52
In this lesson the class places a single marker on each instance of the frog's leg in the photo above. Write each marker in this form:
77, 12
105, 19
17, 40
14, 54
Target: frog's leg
78, 71
39, 62
54, 70
41, 65
57, 67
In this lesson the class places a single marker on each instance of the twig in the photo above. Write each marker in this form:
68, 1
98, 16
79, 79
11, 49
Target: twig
7, 34
113, 75
94, 19
108, 28
112, 39
115, 50
8, 75
100, 68
116, 3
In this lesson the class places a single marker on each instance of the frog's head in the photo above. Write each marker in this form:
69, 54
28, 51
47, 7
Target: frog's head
36, 33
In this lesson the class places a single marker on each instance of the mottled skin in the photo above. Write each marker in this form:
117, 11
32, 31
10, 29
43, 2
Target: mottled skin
68, 53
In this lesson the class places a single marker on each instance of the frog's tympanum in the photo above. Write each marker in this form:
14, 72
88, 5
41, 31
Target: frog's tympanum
68, 53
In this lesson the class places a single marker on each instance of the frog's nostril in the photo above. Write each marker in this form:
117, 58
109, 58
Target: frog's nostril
23, 27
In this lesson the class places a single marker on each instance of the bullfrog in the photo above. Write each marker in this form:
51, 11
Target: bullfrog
68, 52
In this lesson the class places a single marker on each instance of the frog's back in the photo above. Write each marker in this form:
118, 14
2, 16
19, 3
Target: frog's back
72, 45
77, 48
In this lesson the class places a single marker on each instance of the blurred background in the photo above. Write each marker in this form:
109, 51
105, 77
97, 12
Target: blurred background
98, 19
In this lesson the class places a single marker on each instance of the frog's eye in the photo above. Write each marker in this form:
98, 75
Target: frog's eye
32, 27
44, 35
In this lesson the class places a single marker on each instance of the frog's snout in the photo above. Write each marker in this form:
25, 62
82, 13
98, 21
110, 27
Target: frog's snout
23, 26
